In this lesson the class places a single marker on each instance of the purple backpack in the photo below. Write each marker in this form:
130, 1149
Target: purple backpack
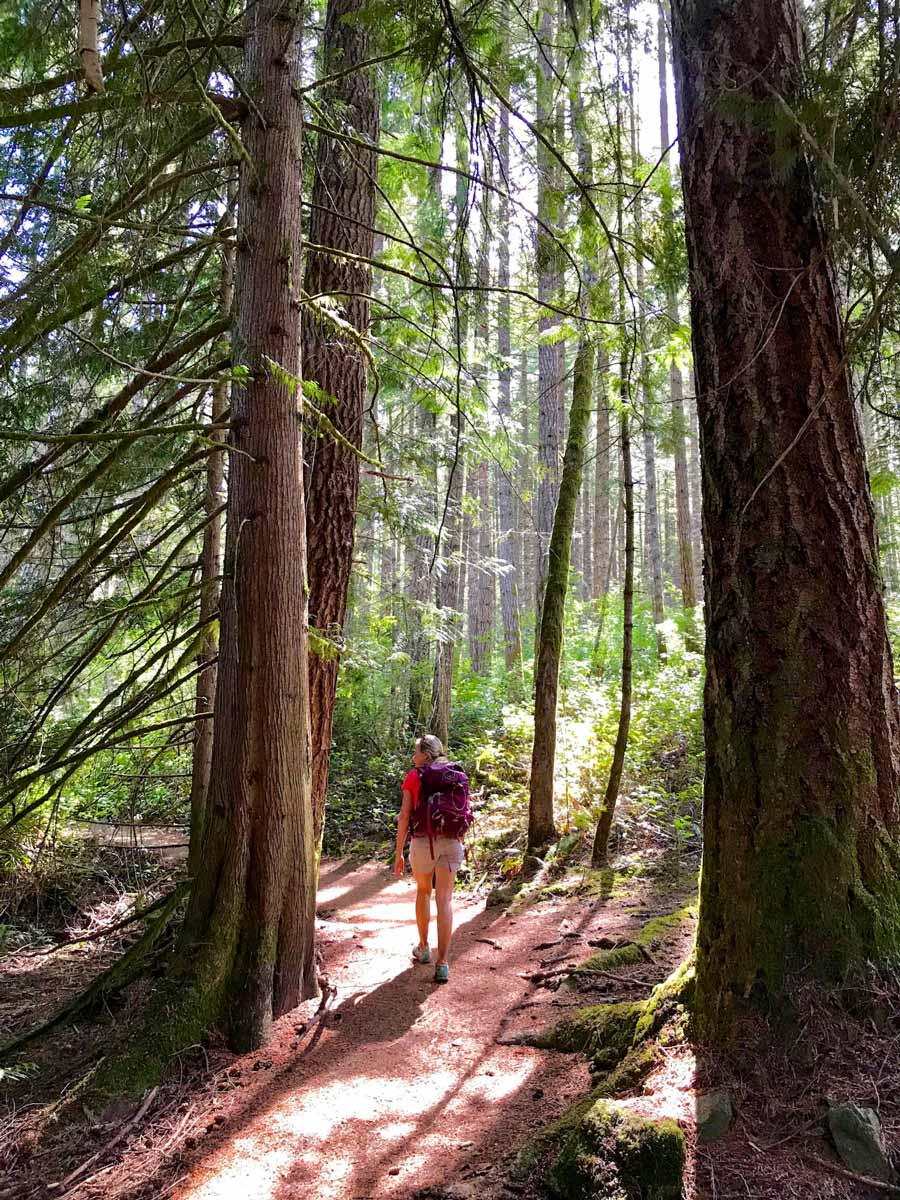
443, 808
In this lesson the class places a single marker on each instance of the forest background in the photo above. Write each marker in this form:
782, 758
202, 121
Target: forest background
449, 248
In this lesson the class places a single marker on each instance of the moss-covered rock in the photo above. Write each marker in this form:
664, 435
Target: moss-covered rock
616, 1154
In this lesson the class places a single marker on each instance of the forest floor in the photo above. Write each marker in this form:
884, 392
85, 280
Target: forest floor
401, 1088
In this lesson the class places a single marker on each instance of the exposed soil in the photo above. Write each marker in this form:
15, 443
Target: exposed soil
405, 1089
401, 1088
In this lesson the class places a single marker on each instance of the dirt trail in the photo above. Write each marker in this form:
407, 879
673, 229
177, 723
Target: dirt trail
403, 1087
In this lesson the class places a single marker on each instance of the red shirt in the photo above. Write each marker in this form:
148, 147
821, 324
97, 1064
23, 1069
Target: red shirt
411, 784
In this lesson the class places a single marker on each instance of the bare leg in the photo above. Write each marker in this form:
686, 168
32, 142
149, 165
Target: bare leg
423, 906
444, 900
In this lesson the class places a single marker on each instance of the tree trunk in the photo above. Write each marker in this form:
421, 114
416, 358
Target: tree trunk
525, 477
541, 827
587, 533
210, 566
481, 578
602, 484
248, 934
801, 816
511, 570
604, 824
422, 586
450, 585
651, 503
696, 506
91, 62
676, 385
342, 216
449, 598
550, 356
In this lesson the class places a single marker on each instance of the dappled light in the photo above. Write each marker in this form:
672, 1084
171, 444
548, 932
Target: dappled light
449, 600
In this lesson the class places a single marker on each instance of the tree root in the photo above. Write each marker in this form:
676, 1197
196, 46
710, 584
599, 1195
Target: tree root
121, 973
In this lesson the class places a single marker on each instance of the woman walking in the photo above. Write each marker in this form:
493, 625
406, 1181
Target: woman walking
436, 811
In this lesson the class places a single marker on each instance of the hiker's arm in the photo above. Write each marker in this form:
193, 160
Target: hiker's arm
402, 830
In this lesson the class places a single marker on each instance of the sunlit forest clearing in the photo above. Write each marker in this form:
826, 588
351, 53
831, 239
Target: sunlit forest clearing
449, 599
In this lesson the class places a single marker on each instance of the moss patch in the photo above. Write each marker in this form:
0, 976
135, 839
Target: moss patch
619, 1155
651, 933
602, 1032
632, 1070
665, 1001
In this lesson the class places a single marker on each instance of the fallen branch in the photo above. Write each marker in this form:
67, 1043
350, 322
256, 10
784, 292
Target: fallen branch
889, 1188
541, 976
329, 992
69, 1179
101, 933
121, 973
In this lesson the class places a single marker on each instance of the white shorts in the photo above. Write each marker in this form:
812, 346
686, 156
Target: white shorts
448, 852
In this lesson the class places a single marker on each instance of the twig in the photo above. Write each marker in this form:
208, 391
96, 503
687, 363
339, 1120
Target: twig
540, 976
329, 992
150, 1097
889, 1188
489, 942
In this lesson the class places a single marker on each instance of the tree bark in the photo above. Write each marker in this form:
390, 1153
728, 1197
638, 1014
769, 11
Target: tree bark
599, 851
210, 566
541, 826
91, 62
602, 484
676, 384
651, 503
587, 533
341, 218
694, 475
511, 571
481, 578
550, 355
248, 935
801, 717
450, 589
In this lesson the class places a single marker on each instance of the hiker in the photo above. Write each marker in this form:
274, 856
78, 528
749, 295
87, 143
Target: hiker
436, 811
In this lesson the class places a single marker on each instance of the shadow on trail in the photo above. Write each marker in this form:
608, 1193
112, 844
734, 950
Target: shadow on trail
331, 898
343, 1106
338, 1082
353, 1114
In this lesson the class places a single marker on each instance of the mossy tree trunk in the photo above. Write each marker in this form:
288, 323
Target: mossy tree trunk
248, 936
801, 813
341, 218
541, 827
611, 796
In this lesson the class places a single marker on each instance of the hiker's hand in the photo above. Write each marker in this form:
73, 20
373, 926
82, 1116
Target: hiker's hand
399, 866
